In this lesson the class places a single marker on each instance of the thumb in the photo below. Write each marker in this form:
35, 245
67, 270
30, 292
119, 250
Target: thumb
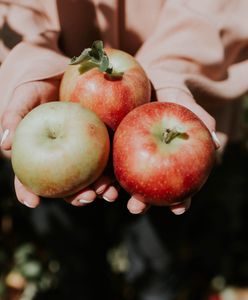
182, 207
14, 113
24, 99
10, 120
180, 96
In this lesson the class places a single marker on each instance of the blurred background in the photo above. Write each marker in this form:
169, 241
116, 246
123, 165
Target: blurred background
57, 251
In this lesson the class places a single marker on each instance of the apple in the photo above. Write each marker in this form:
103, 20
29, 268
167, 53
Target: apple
59, 148
108, 81
162, 153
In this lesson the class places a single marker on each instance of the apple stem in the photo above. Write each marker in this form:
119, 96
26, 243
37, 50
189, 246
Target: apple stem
52, 135
97, 57
171, 134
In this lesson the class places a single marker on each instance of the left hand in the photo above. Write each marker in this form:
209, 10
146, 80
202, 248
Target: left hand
24, 99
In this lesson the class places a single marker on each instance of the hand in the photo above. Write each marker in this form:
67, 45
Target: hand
25, 98
103, 187
135, 205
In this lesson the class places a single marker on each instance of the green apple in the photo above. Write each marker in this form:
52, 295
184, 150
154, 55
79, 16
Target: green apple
59, 148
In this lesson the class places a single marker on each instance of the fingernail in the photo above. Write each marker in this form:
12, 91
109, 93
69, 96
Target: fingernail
4, 136
215, 139
100, 190
85, 201
179, 211
107, 199
28, 204
136, 212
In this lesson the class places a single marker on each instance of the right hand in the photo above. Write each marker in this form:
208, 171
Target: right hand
135, 205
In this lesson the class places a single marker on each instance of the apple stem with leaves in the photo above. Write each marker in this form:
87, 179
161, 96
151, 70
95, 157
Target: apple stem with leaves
171, 134
96, 57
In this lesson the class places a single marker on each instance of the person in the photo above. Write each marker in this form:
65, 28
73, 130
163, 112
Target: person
43, 86
195, 54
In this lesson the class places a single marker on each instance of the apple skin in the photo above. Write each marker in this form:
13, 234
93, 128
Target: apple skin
59, 148
156, 172
111, 98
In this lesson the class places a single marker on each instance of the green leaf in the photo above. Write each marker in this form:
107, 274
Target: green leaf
84, 56
24, 252
104, 65
97, 52
97, 49
31, 269
95, 57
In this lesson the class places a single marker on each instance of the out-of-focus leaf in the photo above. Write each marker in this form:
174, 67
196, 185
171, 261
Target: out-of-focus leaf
23, 252
31, 269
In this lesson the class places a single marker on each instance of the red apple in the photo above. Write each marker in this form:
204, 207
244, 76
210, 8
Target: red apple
110, 82
59, 148
162, 153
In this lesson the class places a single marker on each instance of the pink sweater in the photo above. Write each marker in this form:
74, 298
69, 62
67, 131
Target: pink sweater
198, 46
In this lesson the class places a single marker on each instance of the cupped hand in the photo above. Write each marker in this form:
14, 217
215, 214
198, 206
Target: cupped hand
25, 98
104, 187
135, 204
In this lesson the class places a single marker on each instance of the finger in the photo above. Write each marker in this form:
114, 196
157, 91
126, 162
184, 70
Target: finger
17, 108
110, 194
181, 97
216, 139
82, 198
136, 206
25, 196
6, 154
10, 121
24, 99
101, 184
223, 138
179, 209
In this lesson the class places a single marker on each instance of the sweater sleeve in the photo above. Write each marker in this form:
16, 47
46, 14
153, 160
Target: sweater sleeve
36, 55
199, 45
